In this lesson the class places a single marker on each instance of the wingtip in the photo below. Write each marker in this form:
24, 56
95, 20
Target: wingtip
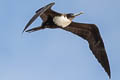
23, 31
109, 74
52, 3
107, 70
26, 31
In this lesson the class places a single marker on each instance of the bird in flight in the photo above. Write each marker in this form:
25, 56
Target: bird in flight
52, 19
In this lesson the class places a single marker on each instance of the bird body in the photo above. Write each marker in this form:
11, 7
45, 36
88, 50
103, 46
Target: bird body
89, 32
61, 21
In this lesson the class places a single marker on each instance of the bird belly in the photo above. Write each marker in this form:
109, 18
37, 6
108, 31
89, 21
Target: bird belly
61, 21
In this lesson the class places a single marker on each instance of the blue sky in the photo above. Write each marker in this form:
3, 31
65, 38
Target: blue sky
56, 54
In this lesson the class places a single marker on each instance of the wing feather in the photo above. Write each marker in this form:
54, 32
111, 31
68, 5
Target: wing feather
91, 33
39, 13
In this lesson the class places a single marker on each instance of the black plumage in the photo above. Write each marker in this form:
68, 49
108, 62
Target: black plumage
88, 32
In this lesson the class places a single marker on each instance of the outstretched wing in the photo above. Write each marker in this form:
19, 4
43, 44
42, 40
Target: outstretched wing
47, 13
91, 33
39, 13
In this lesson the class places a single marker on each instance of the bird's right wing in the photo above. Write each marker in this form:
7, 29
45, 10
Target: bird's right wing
91, 33
39, 13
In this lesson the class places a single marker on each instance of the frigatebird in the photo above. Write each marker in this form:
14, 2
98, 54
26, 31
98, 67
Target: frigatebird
52, 19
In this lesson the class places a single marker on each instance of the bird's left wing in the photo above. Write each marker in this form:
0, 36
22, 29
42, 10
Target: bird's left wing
91, 33
40, 12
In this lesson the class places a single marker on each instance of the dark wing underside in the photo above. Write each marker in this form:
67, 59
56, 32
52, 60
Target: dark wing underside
91, 33
42, 12
87, 31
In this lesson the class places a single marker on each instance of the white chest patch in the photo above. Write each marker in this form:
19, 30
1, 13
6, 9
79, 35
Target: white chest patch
61, 21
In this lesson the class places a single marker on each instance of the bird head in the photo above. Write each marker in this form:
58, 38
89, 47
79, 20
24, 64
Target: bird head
73, 15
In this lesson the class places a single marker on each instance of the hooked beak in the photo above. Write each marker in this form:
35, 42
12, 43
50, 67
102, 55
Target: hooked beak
77, 14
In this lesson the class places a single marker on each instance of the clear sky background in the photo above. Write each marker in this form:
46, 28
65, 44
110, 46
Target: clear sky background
56, 54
